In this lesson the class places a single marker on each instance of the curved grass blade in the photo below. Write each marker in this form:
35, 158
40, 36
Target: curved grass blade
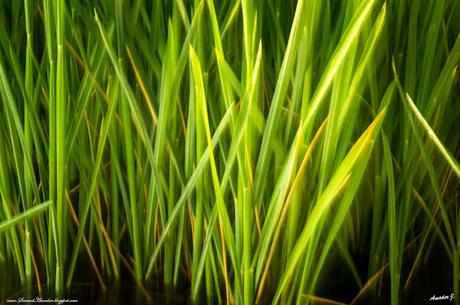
339, 180
432, 135
39, 208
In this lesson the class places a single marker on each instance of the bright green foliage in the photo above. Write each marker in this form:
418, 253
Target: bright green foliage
244, 148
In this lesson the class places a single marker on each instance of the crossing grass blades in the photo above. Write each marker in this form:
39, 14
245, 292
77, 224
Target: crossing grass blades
253, 152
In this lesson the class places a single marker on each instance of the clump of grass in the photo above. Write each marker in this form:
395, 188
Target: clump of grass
236, 146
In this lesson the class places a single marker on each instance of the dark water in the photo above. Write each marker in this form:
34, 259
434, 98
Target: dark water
433, 277
116, 293
87, 290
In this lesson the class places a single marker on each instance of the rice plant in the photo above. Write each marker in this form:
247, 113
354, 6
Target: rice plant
253, 152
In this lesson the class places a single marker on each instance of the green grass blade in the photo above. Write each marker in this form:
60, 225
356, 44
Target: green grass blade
333, 189
35, 210
432, 135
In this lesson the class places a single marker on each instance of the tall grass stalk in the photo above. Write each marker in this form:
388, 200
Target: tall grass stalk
244, 149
